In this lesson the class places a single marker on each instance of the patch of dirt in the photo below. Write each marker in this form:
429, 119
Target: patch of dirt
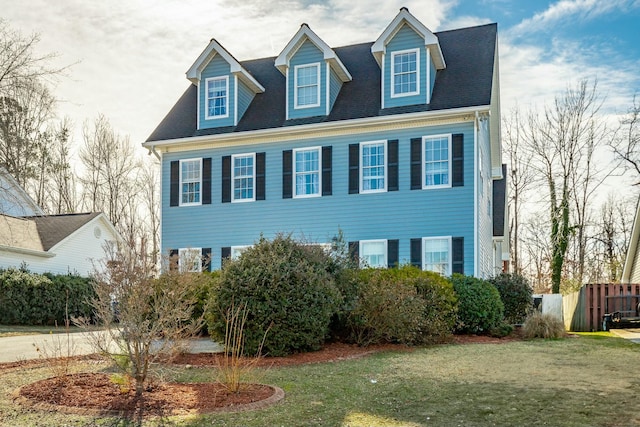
95, 393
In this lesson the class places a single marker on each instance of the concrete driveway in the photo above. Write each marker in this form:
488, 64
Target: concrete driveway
632, 335
24, 347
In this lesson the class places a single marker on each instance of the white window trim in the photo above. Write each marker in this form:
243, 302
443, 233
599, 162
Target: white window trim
295, 86
393, 74
233, 178
236, 251
424, 261
386, 166
423, 160
183, 253
295, 171
206, 98
180, 203
386, 252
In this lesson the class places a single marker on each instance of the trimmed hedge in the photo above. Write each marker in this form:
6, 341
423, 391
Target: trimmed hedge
43, 299
289, 295
480, 309
516, 295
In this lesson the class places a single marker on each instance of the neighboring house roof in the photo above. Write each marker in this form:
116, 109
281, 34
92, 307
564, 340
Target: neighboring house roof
42, 233
14, 200
465, 82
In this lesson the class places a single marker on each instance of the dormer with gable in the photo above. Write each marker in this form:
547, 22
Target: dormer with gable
314, 75
225, 88
409, 57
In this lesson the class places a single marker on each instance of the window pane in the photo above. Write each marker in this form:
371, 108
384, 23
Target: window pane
307, 85
373, 254
373, 166
307, 172
436, 155
405, 73
217, 97
190, 178
243, 177
436, 255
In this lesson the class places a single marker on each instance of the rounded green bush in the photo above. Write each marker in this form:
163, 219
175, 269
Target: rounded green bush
516, 295
288, 294
480, 308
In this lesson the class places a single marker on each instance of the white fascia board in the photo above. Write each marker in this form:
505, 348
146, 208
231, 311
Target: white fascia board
404, 17
292, 131
23, 251
303, 34
213, 48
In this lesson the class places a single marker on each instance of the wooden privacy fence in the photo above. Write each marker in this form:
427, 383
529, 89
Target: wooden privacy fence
584, 309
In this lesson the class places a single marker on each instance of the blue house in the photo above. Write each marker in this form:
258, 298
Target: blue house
396, 143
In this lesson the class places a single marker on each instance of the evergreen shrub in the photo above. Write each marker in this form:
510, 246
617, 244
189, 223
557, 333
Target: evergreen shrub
480, 308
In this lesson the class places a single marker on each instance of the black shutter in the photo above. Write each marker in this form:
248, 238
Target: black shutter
326, 170
174, 184
173, 259
457, 256
260, 176
354, 250
287, 171
457, 160
226, 179
354, 168
392, 168
416, 252
206, 181
392, 253
206, 259
416, 163
225, 253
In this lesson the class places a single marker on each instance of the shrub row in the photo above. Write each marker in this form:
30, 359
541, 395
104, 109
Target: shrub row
297, 296
42, 299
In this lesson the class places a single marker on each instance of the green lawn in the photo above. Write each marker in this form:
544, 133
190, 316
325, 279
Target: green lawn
590, 380
15, 330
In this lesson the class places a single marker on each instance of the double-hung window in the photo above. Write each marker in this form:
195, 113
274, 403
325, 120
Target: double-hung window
190, 259
373, 166
436, 152
243, 177
217, 90
190, 182
405, 73
307, 85
373, 253
307, 174
437, 254
236, 251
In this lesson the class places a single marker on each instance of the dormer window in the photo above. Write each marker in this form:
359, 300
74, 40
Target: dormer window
217, 97
307, 78
406, 73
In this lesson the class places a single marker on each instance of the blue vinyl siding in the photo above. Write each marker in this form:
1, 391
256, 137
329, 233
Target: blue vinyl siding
218, 67
308, 53
403, 214
245, 96
336, 85
432, 75
405, 39
485, 209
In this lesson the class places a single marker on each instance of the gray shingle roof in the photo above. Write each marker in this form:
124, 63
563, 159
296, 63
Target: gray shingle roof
466, 82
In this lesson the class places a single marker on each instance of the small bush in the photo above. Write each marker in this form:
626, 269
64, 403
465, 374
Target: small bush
479, 306
516, 295
287, 290
42, 299
538, 325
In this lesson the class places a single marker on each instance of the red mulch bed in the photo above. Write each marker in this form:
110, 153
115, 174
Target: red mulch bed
95, 393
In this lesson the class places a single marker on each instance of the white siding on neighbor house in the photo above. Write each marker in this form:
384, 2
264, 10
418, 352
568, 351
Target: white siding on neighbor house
73, 255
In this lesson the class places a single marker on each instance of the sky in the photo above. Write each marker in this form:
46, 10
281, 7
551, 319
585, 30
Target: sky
127, 58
